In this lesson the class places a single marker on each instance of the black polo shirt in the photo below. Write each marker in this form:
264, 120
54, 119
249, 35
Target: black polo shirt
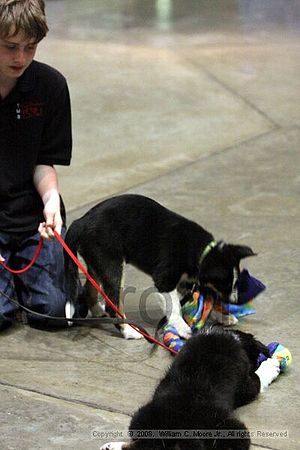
35, 128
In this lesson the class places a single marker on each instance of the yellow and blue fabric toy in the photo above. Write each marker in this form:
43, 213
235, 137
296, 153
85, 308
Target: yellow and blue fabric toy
279, 352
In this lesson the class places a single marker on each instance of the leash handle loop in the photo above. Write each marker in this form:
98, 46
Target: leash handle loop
35, 257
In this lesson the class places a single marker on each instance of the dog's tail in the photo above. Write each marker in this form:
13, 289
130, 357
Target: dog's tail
71, 269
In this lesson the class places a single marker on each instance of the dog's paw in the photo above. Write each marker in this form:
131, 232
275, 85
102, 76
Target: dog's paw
130, 333
181, 326
268, 371
69, 311
112, 446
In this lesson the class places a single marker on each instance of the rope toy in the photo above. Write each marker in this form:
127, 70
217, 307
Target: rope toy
279, 352
198, 308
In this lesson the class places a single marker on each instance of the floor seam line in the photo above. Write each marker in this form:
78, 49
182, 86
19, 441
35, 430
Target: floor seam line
241, 97
173, 171
65, 399
253, 444
236, 94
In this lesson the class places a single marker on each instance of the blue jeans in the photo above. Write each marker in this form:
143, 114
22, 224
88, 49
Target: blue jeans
41, 288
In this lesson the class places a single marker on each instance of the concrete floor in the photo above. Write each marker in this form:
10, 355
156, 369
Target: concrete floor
197, 105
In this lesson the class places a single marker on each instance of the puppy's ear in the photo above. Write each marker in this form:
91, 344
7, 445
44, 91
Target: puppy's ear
239, 252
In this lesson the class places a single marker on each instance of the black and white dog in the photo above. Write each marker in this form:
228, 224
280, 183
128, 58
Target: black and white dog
215, 372
171, 249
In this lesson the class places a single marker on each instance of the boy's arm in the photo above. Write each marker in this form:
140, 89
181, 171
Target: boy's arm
46, 183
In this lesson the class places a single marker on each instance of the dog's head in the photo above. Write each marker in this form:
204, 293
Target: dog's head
220, 268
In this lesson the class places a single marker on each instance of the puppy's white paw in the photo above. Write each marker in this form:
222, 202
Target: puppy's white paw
112, 446
69, 311
129, 333
181, 326
268, 371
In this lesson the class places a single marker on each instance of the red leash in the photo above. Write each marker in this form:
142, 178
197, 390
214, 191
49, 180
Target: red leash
102, 293
35, 257
91, 280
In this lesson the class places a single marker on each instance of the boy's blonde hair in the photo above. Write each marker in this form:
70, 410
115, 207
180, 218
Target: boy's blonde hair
23, 16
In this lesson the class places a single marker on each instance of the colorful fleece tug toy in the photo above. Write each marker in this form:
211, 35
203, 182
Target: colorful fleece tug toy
196, 311
200, 306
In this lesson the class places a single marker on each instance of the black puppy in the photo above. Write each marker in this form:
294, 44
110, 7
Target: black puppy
193, 404
171, 249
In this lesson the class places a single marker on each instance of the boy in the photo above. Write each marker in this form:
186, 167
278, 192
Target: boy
35, 134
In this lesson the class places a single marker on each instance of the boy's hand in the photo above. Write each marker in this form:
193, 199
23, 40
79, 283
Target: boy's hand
1, 258
52, 216
46, 230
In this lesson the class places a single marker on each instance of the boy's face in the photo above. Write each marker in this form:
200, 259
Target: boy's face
16, 54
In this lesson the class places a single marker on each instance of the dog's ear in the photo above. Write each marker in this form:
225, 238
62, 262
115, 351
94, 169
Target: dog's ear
262, 348
239, 252
255, 350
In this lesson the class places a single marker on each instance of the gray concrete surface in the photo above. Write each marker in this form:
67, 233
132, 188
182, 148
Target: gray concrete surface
196, 104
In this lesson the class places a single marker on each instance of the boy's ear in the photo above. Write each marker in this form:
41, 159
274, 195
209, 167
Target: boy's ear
239, 252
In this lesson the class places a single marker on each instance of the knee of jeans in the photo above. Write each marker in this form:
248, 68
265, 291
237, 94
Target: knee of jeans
52, 304
56, 305
54, 309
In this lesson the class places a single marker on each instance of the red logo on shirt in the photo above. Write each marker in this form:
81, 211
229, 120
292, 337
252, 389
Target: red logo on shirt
30, 110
